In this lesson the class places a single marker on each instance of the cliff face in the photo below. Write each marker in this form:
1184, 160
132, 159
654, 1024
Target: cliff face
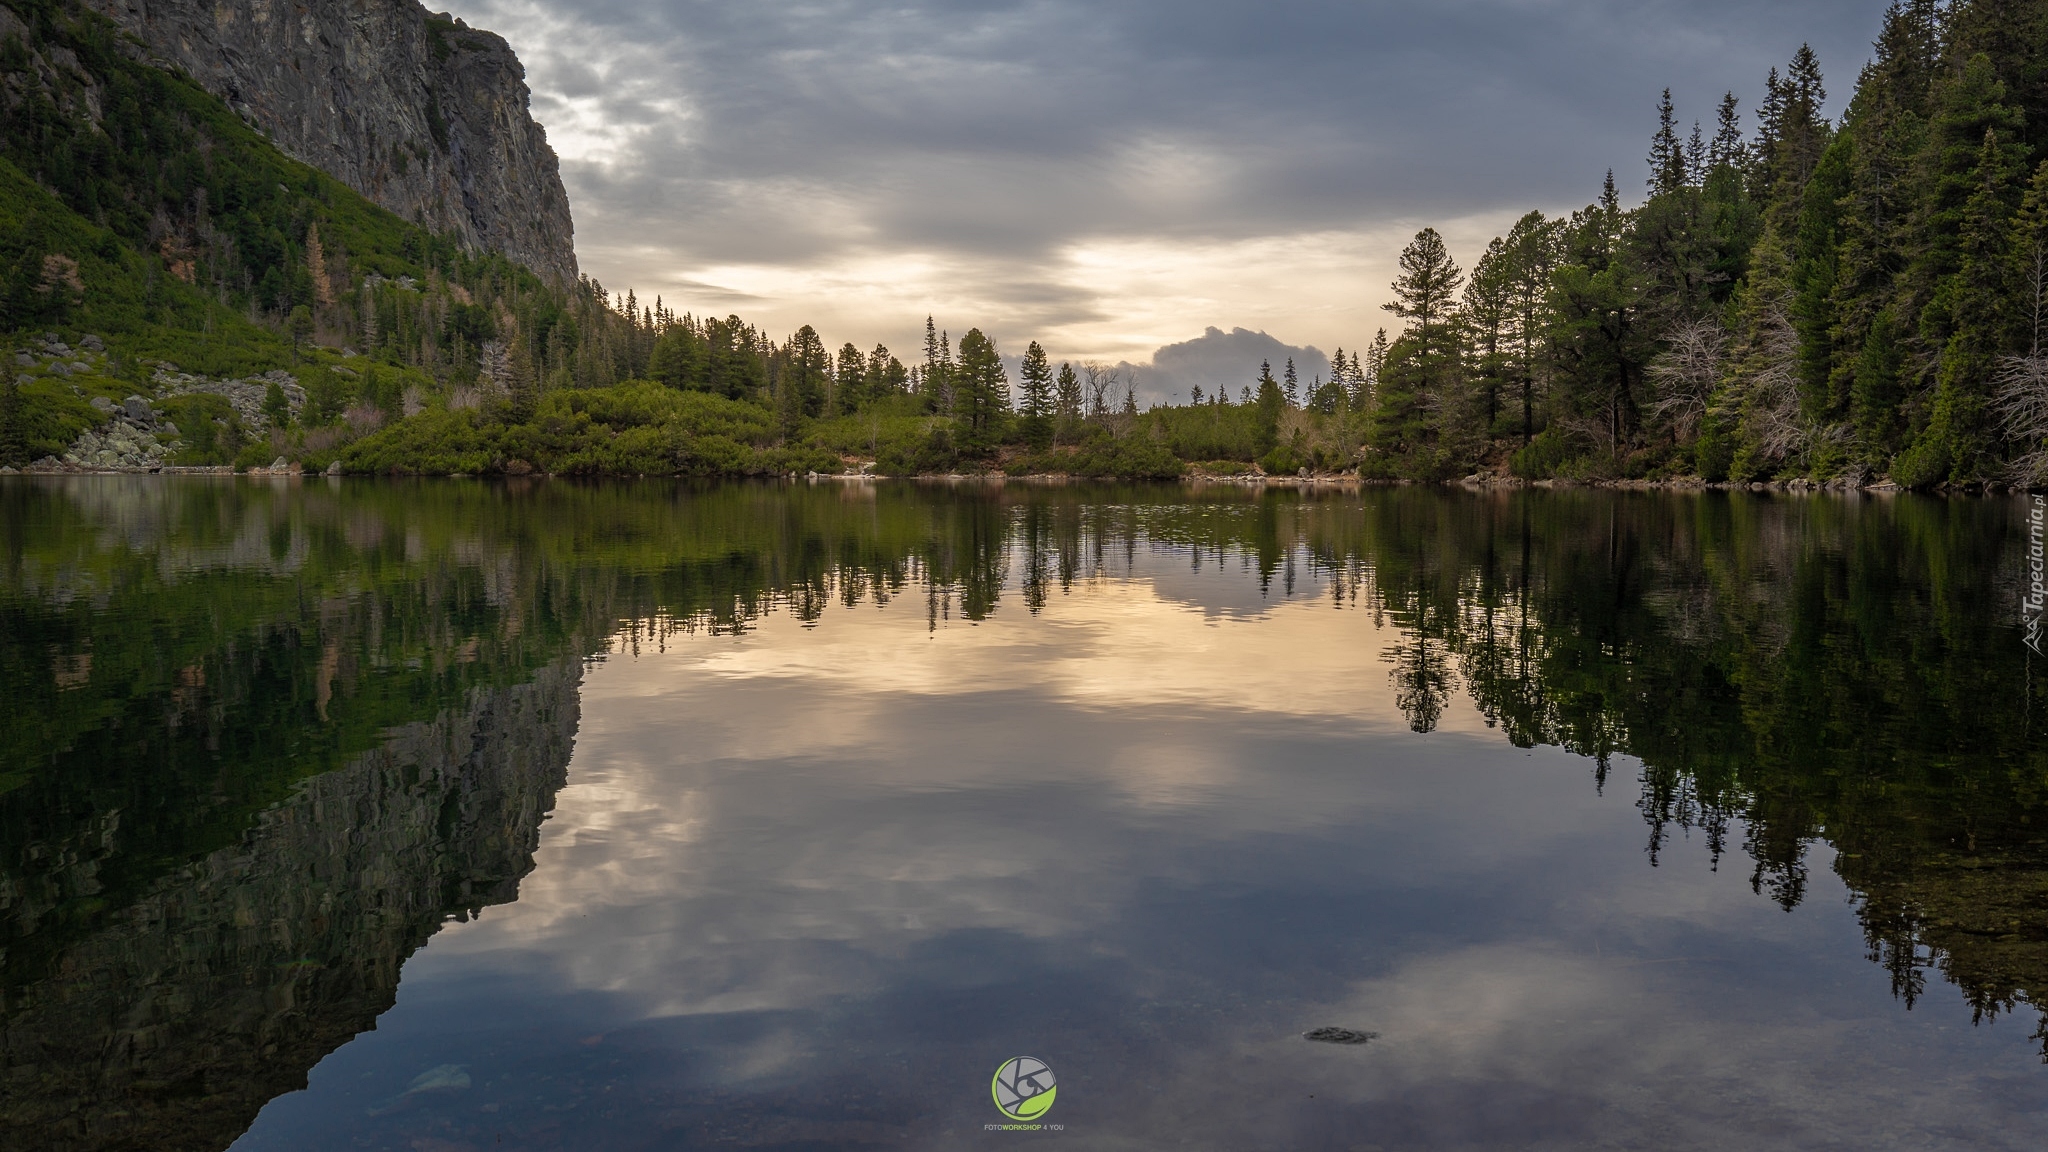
421, 113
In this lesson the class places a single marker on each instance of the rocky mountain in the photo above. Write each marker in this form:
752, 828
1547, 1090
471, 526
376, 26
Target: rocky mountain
417, 111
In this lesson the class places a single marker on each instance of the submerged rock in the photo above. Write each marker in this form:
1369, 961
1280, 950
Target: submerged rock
444, 1078
1334, 1035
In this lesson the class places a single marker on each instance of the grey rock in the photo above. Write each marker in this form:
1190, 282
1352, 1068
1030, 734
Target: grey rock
138, 410
102, 404
24, 359
93, 344
334, 469
280, 464
60, 369
350, 88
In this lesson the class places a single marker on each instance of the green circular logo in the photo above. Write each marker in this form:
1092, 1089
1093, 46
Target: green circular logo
1023, 1088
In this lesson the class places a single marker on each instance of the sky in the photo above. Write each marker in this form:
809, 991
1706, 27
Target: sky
1112, 178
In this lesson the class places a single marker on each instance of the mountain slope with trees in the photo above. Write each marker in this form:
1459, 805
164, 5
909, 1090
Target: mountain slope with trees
1804, 299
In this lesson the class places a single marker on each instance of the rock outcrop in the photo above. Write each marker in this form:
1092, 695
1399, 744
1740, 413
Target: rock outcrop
419, 112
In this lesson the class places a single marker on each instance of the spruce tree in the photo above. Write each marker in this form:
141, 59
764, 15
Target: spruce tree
1727, 149
810, 371
1036, 384
1667, 155
1067, 396
850, 381
1292, 384
1272, 403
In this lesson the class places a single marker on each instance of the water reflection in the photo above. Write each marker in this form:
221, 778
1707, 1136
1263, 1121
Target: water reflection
869, 778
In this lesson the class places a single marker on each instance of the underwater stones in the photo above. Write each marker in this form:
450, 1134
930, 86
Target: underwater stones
1335, 1035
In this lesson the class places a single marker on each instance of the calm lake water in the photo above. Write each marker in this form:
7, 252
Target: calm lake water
460, 817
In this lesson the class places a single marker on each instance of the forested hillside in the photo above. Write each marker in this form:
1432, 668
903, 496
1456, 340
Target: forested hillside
1795, 298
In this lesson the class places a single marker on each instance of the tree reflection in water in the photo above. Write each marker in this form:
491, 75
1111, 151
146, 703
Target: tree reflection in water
260, 740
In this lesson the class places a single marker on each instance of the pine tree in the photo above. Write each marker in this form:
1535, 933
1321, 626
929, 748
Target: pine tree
1667, 155
1293, 384
981, 390
1036, 384
1428, 285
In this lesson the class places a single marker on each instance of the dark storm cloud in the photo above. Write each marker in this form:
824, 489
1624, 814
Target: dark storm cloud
793, 133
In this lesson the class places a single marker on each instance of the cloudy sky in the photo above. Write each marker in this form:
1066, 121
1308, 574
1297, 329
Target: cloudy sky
1107, 176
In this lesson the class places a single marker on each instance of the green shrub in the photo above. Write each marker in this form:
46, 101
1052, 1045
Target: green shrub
1543, 457
1923, 465
1128, 459
209, 431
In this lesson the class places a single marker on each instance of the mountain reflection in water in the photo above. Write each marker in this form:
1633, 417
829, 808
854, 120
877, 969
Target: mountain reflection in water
262, 740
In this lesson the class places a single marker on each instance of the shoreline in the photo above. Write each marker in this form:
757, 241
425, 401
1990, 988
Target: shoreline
1245, 480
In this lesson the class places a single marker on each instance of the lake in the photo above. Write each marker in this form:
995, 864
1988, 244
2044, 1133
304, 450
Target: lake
454, 815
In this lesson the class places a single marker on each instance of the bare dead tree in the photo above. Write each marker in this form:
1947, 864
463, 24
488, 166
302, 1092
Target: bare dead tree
494, 368
1687, 373
2022, 406
1101, 384
1777, 421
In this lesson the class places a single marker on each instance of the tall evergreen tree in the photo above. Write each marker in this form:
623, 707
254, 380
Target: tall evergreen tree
810, 372
1038, 403
1667, 155
1727, 150
1067, 396
1272, 403
981, 392
850, 380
